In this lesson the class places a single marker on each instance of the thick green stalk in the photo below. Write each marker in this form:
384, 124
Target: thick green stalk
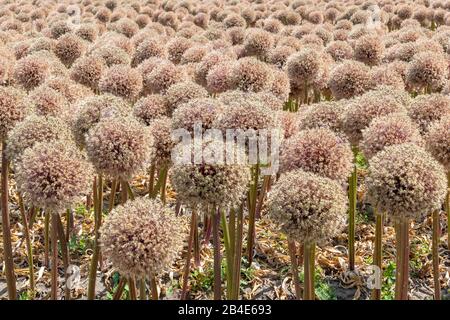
6, 228
29, 245
98, 205
217, 257
435, 253
238, 253
294, 268
378, 253
65, 255
403, 265
54, 242
253, 195
187, 266
353, 181
120, 288
228, 255
47, 239
308, 269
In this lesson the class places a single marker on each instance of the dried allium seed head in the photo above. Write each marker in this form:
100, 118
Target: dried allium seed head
119, 147
68, 48
219, 78
426, 109
183, 92
142, 237
59, 28
151, 107
112, 55
206, 184
303, 66
250, 74
147, 49
87, 71
194, 54
340, 50
176, 47
438, 142
279, 55
406, 182
53, 176
427, 70
31, 71
122, 81
164, 75
389, 130
202, 111
91, 110
161, 130
320, 151
127, 27
87, 31
349, 79
387, 75
308, 208
258, 42
322, 115
289, 123
49, 102
32, 130
71, 90
362, 110
280, 87
14, 106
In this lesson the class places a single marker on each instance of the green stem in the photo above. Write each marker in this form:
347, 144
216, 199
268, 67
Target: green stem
353, 181
227, 244
294, 268
378, 253
29, 245
217, 258
252, 214
47, 239
6, 228
188, 256
403, 266
65, 254
308, 268
238, 253
435, 252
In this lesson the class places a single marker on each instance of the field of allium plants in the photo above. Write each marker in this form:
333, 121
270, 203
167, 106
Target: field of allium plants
225, 149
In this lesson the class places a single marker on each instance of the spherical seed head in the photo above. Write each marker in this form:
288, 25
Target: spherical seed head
204, 111
308, 208
279, 55
14, 106
147, 49
183, 92
303, 66
42, 43
59, 28
219, 78
71, 90
258, 42
161, 130
349, 79
127, 27
320, 151
194, 54
426, 109
32, 130
208, 61
289, 123
406, 182
112, 55
389, 130
427, 69
31, 71
119, 147
91, 110
88, 32
245, 112
250, 74
437, 141
49, 102
142, 237
387, 75
87, 71
210, 184
322, 115
176, 47
339, 50
364, 109
69, 47
163, 75
151, 107
53, 176
122, 81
